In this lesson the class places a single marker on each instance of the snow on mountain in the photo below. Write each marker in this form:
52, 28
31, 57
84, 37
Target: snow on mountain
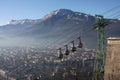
24, 21
67, 14
59, 12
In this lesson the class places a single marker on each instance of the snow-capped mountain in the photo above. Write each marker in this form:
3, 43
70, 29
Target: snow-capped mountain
67, 14
56, 28
59, 12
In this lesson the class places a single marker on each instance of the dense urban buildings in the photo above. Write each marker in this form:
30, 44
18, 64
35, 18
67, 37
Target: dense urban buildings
34, 63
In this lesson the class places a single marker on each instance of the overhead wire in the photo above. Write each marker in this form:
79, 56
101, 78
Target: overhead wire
109, 10
112, 9
68, 34
61, 37
116, 16
112, 15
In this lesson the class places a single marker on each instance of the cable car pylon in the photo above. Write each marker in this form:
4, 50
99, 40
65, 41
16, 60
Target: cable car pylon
99, 62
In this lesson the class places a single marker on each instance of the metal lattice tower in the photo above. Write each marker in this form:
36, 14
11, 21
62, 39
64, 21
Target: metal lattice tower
99, 62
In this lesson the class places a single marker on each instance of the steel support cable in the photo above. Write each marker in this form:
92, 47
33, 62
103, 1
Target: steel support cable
112, 9
114, 14
76, 33
60, 37
82, 30
63, 36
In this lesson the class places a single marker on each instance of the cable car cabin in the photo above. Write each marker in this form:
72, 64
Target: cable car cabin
60, 55
73, 48
80, 45
66, 51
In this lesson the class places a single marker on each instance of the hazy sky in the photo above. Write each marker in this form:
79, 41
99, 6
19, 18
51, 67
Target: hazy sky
35, 9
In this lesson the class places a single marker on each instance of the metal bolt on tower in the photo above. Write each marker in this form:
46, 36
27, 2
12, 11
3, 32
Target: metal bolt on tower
99, 62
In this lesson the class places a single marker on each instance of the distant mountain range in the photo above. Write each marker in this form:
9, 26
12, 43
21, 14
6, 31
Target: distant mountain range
55, 29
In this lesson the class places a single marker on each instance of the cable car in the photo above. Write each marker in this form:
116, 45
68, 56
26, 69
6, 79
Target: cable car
60, 55
80, 45
66, 51
73, 48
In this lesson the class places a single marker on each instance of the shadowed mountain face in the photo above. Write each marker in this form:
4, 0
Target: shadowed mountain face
55, 29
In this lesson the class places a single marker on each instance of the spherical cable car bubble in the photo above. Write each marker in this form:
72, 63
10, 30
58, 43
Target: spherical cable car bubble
73, 48
60, 55
80, 45
66, 50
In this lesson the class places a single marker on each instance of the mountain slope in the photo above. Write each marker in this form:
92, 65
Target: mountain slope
56, 28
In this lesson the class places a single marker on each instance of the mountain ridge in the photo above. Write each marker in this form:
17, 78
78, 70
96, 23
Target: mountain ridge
61, 12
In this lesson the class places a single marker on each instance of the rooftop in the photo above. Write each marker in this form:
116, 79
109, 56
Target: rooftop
113, 40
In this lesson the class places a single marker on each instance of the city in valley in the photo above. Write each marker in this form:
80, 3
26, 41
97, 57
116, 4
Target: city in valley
29, 63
